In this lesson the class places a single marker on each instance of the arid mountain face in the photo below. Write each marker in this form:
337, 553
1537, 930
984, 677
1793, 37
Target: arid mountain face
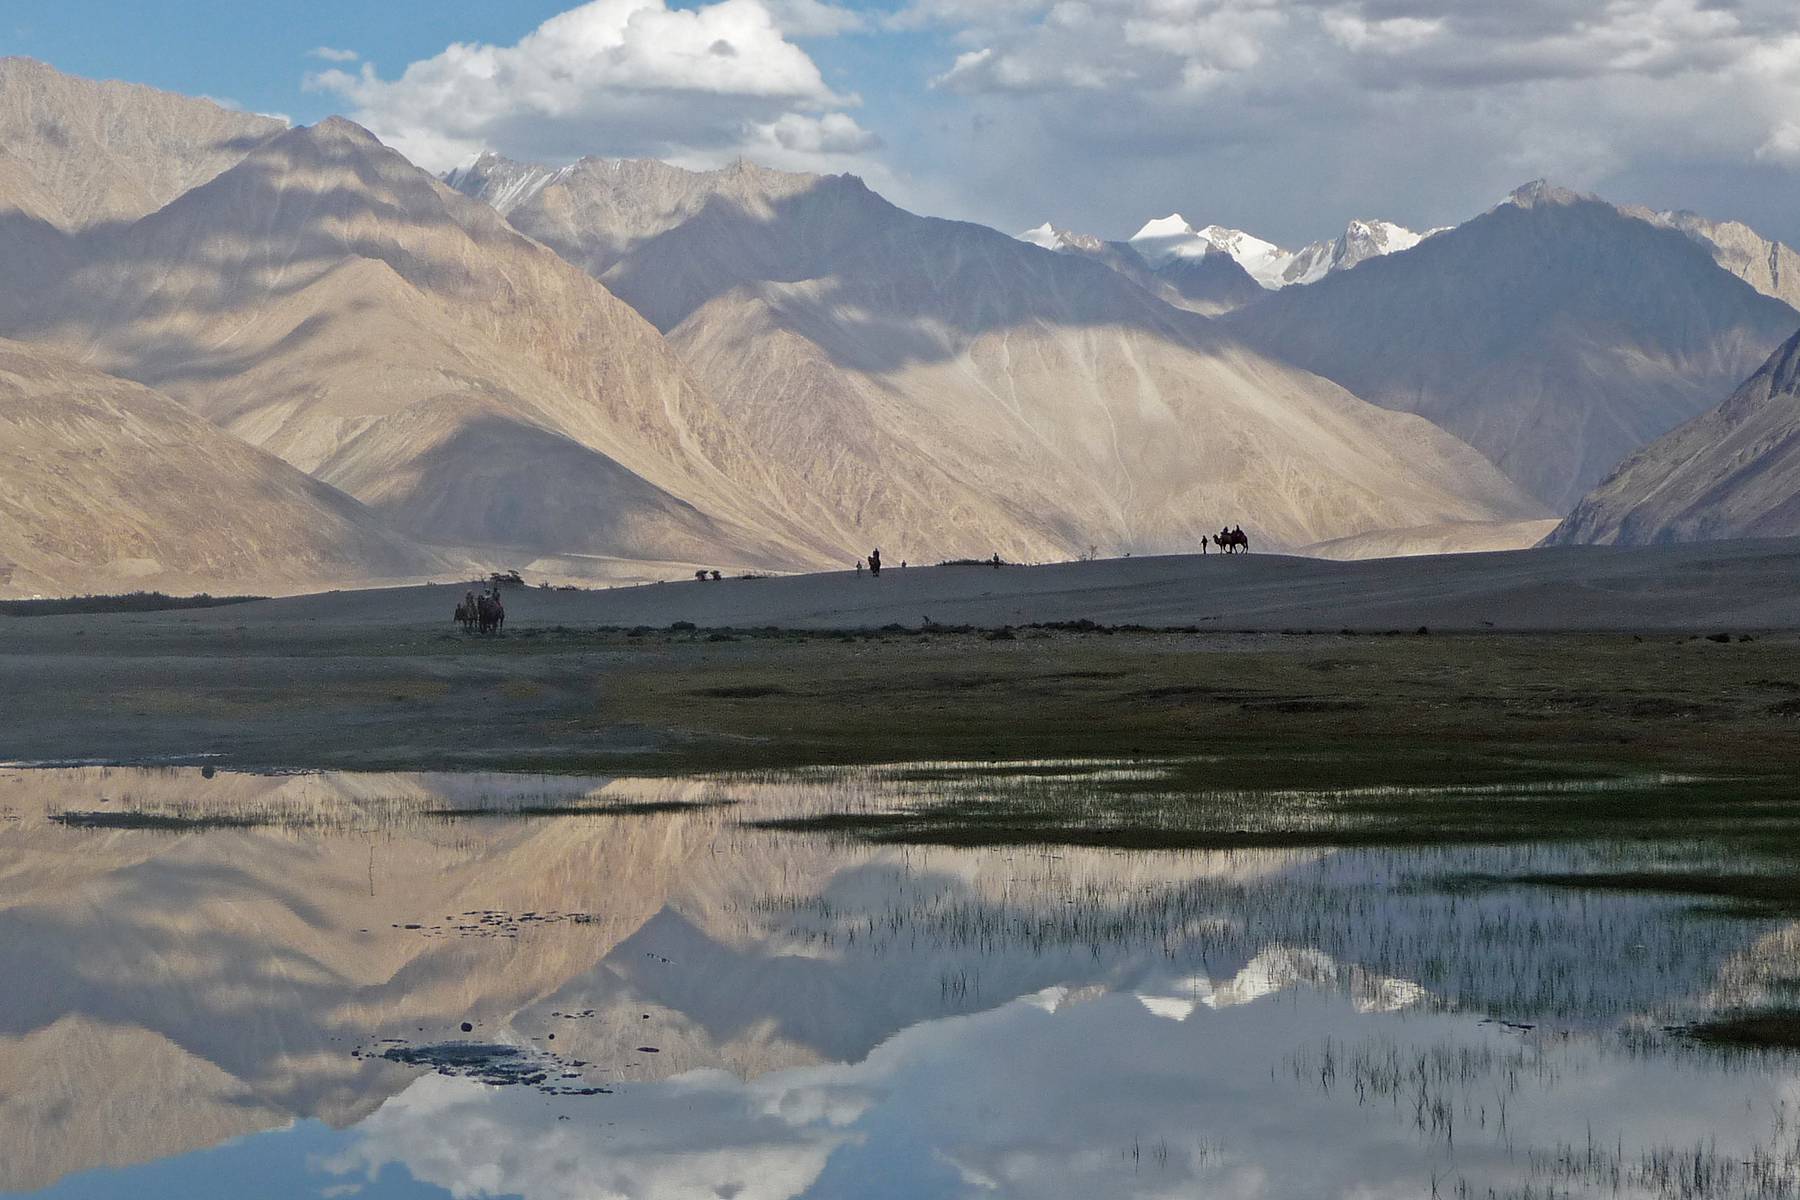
327, 301
940, 389
1555, 334
110, 485
1769, 266
1734, 472
77, 153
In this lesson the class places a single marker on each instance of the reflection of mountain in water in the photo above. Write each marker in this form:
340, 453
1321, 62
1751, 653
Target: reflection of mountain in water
187, 987
1064, 1095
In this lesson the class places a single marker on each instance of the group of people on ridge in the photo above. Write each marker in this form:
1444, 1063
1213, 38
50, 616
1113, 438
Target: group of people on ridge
484, 613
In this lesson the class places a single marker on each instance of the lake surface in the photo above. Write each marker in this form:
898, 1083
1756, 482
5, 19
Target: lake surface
482, 985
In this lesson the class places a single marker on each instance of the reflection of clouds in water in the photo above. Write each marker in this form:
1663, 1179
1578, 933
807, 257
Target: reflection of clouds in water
254, 952
705, 1134
1067, 1095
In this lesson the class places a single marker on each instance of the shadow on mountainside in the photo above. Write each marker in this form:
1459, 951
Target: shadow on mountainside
877, 287
270, 227
485, 483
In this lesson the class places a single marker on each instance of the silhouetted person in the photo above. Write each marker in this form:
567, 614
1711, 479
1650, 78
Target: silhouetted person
875, 562
859, 567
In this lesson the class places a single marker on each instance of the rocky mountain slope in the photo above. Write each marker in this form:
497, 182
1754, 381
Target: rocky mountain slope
940, 389
1556, 334
1211, 284
80, 153
329, 302
110, 486
1769, 266
1734, 472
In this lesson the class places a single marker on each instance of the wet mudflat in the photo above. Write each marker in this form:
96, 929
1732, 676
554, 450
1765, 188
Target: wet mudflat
863, 981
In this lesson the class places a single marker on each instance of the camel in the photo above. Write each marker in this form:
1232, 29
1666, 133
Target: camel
1230, 541
467, 613
490, 613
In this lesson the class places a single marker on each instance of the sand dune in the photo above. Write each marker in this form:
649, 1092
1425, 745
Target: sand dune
1700, 587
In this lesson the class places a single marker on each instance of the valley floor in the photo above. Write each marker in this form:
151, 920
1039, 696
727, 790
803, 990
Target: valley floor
598, 681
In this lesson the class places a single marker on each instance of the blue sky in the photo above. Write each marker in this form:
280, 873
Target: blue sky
1285, 117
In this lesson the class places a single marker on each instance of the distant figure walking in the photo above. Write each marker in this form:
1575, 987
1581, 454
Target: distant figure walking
875, 562
859, 568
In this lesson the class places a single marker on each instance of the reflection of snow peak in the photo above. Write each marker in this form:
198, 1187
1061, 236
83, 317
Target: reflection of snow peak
1277, 969
1020, 1101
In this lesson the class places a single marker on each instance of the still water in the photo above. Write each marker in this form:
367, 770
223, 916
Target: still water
484, 985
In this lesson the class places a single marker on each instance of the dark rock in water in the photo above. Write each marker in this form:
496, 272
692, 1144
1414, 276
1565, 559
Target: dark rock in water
495, 1064
648, 1050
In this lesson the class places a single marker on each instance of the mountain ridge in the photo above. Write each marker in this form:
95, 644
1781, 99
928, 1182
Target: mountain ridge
111, 486
1555, 333
1733, 472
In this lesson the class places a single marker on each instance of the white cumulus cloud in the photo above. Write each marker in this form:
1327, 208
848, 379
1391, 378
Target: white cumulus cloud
613, 77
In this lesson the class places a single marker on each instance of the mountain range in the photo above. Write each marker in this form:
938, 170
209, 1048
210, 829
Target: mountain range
621, 369
928, 382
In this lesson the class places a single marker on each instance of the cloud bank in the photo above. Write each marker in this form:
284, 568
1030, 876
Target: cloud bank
622, 78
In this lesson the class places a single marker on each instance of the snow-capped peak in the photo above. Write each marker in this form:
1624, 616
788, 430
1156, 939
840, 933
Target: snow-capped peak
1052, 238
1265, 261
501, 182
1169, 238
1371, 239
1173, 225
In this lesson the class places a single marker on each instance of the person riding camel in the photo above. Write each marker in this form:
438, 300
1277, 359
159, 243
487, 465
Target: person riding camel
875, 562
